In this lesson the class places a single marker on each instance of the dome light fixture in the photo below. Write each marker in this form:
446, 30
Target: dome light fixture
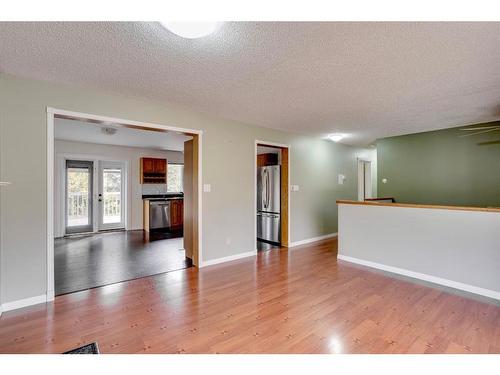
191, 30
335, 137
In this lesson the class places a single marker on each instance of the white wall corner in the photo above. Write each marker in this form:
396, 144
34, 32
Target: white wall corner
50, 295
314, 239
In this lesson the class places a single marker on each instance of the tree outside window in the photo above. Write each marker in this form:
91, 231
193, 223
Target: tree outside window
174, 178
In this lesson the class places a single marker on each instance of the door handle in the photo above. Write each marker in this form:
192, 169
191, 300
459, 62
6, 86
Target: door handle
264, 182
265, 190
268, 190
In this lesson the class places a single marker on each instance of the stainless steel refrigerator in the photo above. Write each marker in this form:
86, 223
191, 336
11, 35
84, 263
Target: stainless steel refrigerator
268, 203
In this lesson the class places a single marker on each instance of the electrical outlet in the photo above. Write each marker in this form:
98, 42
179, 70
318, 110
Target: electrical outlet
206, 188
228, 241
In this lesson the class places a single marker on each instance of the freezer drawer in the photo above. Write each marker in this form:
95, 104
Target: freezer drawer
268, 227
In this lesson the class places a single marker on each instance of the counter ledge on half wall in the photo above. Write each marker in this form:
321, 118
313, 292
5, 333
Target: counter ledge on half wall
413, 205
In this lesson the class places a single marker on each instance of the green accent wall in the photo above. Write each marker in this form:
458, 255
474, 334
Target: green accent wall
439, 167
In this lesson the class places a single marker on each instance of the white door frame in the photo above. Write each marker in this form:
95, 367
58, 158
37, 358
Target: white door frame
362, 183
280, 145
51, 113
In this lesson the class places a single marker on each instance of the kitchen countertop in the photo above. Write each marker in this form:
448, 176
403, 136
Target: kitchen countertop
163, 196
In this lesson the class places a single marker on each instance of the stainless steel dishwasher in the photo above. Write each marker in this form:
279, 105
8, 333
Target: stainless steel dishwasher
159, 214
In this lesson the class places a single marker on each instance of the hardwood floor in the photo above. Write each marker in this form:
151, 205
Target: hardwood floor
89, 261
300, 300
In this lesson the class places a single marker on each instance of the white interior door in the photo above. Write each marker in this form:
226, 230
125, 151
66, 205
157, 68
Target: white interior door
111, 195
368, 179
364, 180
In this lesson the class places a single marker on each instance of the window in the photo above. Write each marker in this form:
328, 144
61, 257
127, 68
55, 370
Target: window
174, 178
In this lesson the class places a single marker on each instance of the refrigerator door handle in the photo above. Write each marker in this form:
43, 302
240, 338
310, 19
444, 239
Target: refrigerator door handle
268, 191
264, 189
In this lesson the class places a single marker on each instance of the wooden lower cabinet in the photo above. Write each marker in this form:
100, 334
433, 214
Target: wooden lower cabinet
176, 212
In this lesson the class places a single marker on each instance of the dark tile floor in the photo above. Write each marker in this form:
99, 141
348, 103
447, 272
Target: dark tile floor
89, 261
263, 246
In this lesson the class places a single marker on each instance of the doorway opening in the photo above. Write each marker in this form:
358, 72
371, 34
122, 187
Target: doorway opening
271, 195
104, 223
365, 190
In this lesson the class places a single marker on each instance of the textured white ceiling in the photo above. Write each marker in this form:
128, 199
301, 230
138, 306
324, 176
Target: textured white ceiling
368, 80
73, 130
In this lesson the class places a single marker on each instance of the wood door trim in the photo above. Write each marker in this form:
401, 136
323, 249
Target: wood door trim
191, 206
285, 191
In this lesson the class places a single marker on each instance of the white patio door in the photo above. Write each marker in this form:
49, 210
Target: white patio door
111, 195
79, 183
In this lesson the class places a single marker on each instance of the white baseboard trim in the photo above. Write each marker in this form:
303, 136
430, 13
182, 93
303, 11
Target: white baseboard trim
8, 306
314, 239
211, 262
422, 276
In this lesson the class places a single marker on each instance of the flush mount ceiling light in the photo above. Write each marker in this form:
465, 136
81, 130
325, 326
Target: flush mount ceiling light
191, 30
336, 137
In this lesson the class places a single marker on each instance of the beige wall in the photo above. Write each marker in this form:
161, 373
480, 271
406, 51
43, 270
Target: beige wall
131, 155
228, 165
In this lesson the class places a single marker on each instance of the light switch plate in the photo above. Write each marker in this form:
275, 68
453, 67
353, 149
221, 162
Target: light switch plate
295, 187
206, 188
341, 179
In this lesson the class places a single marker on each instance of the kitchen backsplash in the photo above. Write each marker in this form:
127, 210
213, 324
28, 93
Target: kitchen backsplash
154, 189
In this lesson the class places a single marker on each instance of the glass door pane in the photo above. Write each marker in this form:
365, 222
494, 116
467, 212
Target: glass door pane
111, 196
78, 196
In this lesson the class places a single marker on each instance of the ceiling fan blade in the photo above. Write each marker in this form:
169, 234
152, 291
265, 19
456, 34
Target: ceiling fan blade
481, 128
488, 143
481, 132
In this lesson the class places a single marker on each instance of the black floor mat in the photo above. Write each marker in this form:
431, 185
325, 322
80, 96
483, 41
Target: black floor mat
85, 349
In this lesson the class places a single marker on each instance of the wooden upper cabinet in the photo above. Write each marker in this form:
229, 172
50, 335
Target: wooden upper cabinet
148, 165
160, 166
153, 171
264, 160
